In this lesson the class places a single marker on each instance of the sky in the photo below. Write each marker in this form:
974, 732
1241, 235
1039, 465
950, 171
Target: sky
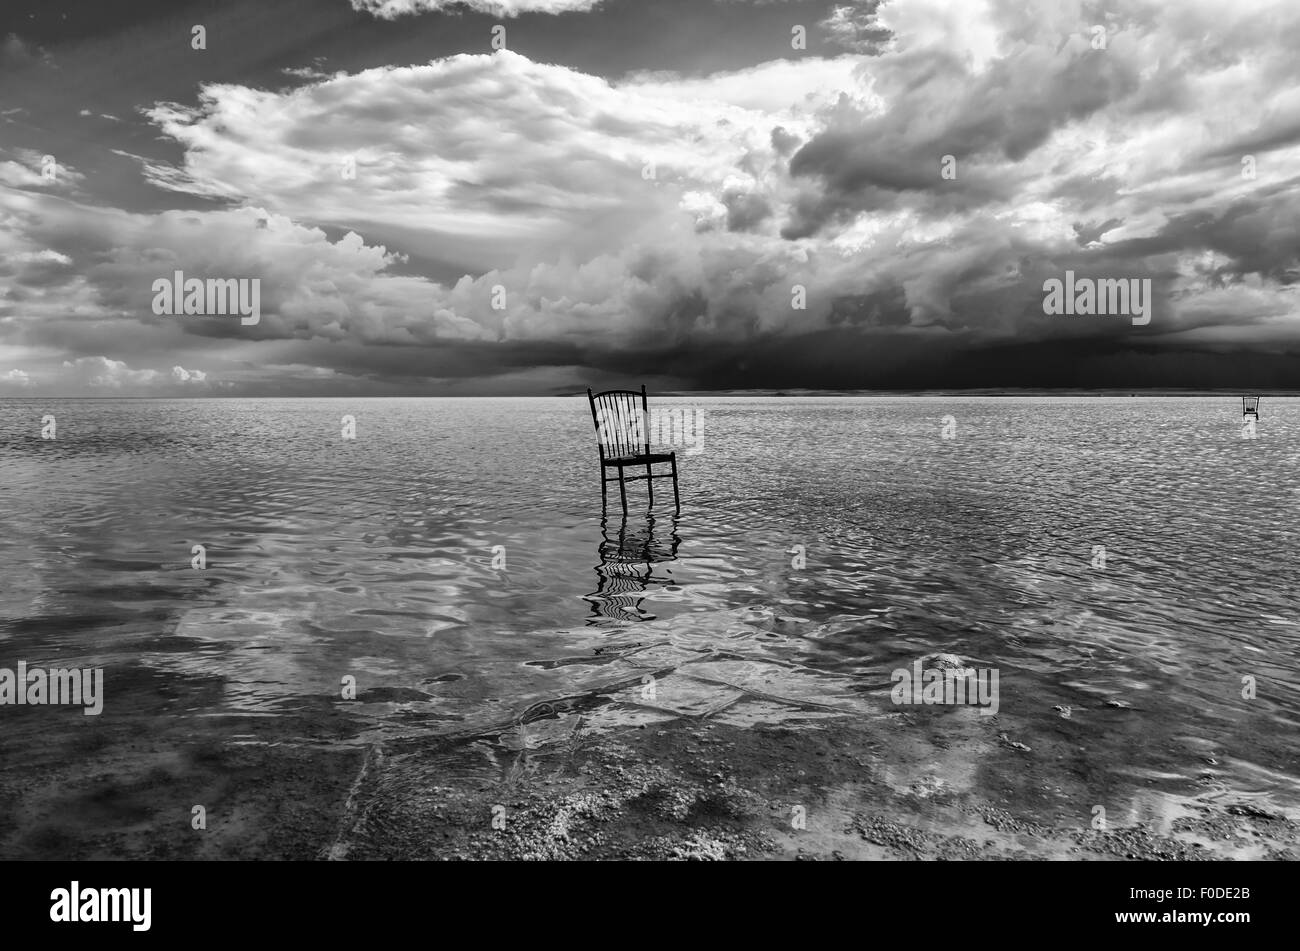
519, 197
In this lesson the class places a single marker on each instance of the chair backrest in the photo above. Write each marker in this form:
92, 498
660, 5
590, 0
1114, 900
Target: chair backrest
621, 418
1250, 404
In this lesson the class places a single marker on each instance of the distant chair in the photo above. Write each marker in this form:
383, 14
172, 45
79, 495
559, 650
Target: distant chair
623, 437
1250, 407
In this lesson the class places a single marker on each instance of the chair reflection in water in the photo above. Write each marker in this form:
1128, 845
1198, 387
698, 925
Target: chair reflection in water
1250, 407
632, 561
623, 437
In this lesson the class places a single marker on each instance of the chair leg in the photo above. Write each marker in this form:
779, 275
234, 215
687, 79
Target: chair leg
677, 499
650, 484
622, 489
604, 490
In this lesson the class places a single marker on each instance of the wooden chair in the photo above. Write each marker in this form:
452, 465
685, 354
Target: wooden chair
1250, 406
623, 438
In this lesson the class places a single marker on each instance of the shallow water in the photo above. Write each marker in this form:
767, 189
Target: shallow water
373, 558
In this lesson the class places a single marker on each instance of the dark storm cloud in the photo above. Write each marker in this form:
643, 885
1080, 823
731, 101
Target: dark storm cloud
1088, 232
745, 210
852, 360
883, 308
15, 52
1257, 141
864, 161
1255, 235
784, 142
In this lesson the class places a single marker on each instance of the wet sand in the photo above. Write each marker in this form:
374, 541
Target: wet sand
700, 790
556, 784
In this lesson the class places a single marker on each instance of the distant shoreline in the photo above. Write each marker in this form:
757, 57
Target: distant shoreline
755, 394
1263, 394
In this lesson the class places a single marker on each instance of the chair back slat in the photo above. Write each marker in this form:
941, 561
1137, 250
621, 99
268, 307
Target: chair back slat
620, 417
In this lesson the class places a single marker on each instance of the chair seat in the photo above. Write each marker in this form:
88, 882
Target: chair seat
641, 459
